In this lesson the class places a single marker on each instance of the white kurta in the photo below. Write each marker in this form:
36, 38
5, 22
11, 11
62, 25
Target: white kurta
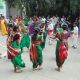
75, 36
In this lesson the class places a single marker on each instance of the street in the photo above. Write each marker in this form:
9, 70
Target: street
70, 70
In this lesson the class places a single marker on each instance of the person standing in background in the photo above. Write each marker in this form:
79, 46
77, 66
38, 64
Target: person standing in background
3, 26
75, 36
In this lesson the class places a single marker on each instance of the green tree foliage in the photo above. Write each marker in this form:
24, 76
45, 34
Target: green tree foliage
47, 7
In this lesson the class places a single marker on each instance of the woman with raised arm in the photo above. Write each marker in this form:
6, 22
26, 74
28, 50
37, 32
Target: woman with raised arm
61, 47
61, 50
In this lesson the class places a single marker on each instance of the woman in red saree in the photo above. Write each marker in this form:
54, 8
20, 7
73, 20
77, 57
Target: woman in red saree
61, 50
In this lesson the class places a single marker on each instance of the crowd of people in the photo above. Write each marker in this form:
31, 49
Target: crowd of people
31, 32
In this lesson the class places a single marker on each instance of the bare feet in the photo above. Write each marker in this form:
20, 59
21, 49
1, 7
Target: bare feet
34, 69
40, 67
59, 69
18, 70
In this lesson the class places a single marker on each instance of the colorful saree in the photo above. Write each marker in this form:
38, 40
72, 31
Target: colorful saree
16, 59
36, 53
61, 51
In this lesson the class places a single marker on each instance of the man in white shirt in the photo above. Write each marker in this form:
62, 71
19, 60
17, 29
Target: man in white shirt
75, 36
43, 19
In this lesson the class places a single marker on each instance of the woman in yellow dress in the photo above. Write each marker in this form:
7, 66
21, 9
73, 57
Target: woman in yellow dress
3, 26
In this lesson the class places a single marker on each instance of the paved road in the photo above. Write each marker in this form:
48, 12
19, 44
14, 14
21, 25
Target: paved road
70, 70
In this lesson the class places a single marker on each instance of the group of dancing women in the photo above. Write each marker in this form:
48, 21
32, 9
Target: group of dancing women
32, 33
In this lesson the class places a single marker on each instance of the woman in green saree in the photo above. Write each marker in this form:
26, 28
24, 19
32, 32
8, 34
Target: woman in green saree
25, 40
15, 52
36, 50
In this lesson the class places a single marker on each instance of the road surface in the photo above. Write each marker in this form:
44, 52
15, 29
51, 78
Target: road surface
70, 70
